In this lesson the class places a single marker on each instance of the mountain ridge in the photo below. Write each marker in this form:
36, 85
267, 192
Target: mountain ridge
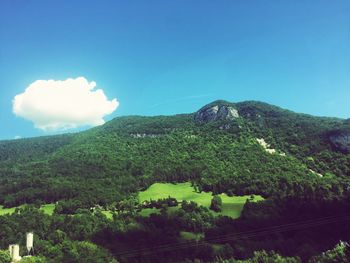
241, 105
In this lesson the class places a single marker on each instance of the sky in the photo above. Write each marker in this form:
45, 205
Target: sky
69, 65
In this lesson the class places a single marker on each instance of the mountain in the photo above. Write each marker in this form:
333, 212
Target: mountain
216, 147
298, 163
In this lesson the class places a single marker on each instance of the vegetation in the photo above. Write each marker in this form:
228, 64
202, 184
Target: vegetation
110, 169
5, 211
263, 256
46, 208
230, 205
5, 256
340, 253
216, 203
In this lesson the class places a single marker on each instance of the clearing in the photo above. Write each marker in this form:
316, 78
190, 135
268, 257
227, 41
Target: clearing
231, 205
47, 209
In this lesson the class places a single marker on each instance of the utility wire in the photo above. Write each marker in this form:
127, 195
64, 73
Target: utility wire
246, 234
239, 235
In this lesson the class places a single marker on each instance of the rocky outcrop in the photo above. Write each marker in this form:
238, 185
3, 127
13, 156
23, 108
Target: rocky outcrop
215, 112
144, 135
341, 141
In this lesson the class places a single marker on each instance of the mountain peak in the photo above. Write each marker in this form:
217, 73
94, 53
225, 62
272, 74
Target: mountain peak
217, 110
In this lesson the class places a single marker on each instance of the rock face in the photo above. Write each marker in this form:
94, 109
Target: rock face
215, 113
341, 141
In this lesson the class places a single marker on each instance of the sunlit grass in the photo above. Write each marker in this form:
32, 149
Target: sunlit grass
6, 211
231, 205
47, 209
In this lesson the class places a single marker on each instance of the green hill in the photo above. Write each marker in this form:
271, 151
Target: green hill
296, 164
127, 154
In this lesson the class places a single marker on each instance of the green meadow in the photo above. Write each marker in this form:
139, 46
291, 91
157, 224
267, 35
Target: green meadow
190, 236
5, 211
47, 209
231, 205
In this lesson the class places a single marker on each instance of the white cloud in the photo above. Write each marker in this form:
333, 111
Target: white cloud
63, 104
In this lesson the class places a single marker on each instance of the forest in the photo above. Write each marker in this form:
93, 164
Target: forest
304, 183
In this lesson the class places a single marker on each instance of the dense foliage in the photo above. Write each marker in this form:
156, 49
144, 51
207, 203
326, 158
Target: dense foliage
216, 203
307, 178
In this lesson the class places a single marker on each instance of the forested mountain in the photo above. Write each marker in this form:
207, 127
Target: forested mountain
129, 153
299, 163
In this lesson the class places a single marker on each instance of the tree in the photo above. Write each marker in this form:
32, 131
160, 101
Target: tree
269, 257
34, 260
216, 203
5, 256
338, 254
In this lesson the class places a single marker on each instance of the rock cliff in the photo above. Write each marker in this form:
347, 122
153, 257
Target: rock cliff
216, 111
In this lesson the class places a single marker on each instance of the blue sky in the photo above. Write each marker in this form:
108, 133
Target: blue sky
167, 57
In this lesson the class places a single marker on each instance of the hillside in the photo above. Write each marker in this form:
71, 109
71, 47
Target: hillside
130, 153
297, 164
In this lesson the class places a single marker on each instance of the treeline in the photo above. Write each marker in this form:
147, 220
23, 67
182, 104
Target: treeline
262, 234
57, 238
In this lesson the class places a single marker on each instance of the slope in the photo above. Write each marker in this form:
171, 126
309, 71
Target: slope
218, 153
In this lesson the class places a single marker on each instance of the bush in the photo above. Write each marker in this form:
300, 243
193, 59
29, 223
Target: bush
5, 256
216, 203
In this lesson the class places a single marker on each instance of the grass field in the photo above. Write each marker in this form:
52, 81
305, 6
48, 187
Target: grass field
143, 212
189, 236
148, 211
231, 206
108, 214
5, 211
47, 209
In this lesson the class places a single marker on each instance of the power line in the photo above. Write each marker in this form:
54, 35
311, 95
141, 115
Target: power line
239, 235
